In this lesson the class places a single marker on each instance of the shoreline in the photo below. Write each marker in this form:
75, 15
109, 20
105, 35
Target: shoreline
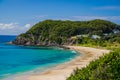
62, 71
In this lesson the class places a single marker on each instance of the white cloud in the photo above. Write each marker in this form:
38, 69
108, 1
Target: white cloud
13, 28
7, 26
107, 8
40, 16
27, 25
96, 17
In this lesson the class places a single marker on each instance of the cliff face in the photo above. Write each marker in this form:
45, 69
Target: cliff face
26, 41
53, 33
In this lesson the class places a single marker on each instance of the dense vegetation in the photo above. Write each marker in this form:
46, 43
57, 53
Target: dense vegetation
105, 68
56, 32
104, 41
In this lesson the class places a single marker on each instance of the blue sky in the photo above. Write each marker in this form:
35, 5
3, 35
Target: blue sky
17, 16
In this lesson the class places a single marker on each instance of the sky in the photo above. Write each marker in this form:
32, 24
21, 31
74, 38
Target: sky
18, 16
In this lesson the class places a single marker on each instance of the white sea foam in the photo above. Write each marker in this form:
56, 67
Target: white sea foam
74, 52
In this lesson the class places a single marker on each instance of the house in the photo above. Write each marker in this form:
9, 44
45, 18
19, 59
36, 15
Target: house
116, 31
80, 36
95, 37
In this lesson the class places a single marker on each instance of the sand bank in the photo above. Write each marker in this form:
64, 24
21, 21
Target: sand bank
61, 72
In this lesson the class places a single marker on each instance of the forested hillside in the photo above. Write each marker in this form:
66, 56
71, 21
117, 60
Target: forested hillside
57, 32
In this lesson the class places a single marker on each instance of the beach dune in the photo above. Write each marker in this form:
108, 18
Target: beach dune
61, 72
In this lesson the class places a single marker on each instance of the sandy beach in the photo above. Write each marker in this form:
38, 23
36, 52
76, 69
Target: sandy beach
61, 72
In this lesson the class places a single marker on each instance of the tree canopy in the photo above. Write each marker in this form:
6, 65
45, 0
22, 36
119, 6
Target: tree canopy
58, 32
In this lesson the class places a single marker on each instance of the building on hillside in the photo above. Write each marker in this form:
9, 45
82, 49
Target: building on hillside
80, 36
116, 31
95, 37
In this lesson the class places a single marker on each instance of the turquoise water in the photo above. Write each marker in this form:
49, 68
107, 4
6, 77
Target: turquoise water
18, 59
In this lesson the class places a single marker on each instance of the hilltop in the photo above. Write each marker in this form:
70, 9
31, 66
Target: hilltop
57, 32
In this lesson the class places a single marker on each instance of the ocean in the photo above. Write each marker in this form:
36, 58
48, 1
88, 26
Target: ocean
20, 59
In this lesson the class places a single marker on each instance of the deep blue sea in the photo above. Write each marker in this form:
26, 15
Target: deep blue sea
19, 59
